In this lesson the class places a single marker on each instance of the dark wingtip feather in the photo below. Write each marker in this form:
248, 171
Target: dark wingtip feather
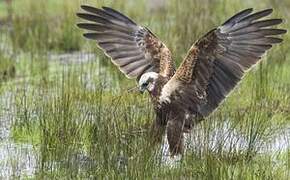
89, 35
78, 15
269, 10
107, 8
282, 31
274, 40
257, 15
265, 12
85, 25
90, 27
118, 14
239, 15
88, 8
249, 10
285, 31
277, 21
79, 25
84, 7
280, 20
93, 18
82, 15
246, 11
110, 9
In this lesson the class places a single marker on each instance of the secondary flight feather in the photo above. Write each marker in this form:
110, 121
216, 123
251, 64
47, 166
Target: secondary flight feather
211, 69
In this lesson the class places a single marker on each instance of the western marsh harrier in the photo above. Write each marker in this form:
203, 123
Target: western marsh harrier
211, 69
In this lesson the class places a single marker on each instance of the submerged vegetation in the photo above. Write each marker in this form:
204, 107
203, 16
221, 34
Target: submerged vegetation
66, 108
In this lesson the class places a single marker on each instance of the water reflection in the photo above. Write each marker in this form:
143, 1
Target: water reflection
27, 160
15, 159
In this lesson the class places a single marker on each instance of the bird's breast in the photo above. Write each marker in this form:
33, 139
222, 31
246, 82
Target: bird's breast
156, 92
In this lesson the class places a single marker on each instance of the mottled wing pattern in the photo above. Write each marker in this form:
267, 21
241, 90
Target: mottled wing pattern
217, 62
133, 48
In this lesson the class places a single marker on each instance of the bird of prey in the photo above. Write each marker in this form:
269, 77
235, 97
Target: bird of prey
211, 69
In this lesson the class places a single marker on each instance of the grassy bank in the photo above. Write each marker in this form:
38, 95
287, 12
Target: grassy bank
83, 123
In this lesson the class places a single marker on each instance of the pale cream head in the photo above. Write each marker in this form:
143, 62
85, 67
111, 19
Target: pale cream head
147, 81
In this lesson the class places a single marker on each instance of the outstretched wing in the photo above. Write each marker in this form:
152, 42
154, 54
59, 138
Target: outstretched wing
133, 48
217, 62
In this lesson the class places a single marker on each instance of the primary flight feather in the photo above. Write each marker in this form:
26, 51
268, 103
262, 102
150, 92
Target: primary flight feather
211, 69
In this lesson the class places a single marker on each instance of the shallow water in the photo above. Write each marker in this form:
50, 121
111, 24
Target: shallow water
229, 140
22, 159
15, 159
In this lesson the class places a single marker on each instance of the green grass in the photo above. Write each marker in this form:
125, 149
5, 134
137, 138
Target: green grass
3, 9
7, 68
83, 123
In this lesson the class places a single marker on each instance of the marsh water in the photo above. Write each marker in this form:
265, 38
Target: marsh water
66, 112
23, 159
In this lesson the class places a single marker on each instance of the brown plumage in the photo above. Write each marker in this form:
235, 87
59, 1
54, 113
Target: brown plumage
211, 69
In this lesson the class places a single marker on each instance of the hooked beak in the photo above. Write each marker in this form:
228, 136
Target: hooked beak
142, 89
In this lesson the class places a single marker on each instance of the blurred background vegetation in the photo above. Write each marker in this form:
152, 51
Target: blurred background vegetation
65, 107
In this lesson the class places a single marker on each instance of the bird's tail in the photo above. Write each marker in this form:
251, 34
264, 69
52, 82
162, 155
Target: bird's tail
175, 136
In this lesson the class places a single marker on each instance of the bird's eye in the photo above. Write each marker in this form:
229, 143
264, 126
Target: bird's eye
145, 84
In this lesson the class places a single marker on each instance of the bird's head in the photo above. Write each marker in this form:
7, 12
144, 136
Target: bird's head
147, 81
